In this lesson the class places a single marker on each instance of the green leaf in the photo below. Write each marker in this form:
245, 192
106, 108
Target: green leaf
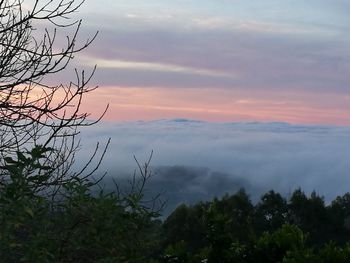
40, 178
47, 168
9, 160
13, 169
29, 211
37, 152
22, 158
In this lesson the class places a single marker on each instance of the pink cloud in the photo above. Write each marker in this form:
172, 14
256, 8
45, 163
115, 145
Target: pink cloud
215, 104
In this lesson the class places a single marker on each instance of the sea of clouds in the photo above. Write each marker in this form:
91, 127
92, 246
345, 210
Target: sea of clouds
196, 160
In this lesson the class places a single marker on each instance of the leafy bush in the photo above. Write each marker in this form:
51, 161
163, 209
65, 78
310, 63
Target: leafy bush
75, 225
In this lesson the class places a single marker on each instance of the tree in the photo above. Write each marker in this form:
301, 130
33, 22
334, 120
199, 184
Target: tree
33, 111
49, 213
339, 211
311, 215
270, 212
273, 247
81, 227
187, 223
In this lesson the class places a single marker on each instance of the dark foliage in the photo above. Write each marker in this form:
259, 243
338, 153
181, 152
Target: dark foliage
232, 229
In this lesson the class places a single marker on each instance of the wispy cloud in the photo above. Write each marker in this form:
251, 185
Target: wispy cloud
276, 61
251, 25
153, 66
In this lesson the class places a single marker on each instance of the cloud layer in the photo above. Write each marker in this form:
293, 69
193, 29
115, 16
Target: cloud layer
197, 160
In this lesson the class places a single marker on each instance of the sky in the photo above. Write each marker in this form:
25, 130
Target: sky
219, 60
228, 93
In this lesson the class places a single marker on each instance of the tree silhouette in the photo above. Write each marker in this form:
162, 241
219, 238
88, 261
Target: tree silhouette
33, 111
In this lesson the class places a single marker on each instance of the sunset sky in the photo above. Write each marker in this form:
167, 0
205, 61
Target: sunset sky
208, 85
220, 60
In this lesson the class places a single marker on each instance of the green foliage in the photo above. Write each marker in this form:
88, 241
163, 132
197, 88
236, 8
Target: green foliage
273, 247
271, 212
232, 229
23, 214
330, 253
187, 223
176, 253
76, 226
311, 215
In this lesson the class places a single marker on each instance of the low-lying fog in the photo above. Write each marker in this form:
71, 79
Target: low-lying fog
195, 160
